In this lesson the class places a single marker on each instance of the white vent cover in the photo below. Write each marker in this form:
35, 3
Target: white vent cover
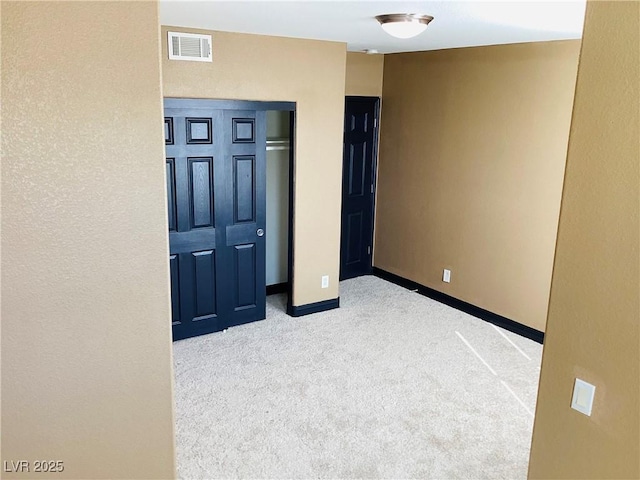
189, 46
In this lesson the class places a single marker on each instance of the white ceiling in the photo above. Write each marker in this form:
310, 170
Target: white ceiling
456, 23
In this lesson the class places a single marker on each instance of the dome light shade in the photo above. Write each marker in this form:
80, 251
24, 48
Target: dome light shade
404, 25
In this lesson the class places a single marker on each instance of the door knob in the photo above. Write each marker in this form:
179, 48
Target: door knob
260, 232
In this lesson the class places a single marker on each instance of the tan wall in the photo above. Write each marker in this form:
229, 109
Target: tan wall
86, 336
594, 313
364, 74
312, 74
472, 154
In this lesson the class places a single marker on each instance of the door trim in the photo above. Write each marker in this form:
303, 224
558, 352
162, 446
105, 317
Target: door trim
292, 186
207, 104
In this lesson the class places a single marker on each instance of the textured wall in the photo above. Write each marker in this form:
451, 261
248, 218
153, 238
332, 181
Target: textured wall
594, 311
364, 74
472, 155
86, 336
312, 74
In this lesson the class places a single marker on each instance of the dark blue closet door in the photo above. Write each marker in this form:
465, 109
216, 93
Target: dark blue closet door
244, 215
215, 161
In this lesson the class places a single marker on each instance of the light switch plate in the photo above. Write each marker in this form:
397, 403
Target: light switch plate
583, 394
325, 281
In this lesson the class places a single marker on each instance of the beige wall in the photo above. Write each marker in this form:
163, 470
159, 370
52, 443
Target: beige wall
86, 336
364, 74
472, 154
594, 313
312, 74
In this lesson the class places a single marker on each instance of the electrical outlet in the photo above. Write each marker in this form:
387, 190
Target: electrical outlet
446, 276
325, 281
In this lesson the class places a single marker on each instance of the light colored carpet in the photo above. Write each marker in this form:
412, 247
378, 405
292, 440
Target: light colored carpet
387, 386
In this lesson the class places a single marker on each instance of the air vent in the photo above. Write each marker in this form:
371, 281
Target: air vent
189, 46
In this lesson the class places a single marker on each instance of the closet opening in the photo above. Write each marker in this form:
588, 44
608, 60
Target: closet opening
230, 210
279, 216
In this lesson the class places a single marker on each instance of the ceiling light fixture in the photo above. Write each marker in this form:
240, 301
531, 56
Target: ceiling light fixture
404, 25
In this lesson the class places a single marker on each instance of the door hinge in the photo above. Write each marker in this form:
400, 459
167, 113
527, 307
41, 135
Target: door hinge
368, 250
375, 123
372, 188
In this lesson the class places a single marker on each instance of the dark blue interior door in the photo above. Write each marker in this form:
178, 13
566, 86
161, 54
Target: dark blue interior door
358, 185
216, 194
